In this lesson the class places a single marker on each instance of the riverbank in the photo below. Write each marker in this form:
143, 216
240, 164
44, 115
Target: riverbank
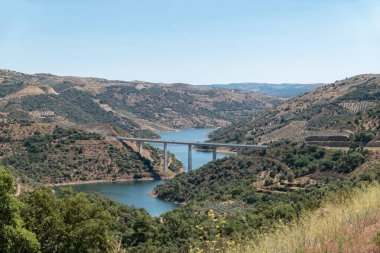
120, 180
153, 193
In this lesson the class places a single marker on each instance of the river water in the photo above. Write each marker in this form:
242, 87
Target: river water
136, 193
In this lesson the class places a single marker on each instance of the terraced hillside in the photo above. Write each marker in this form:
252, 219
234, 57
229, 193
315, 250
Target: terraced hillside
328, 111
132, 106
45, 153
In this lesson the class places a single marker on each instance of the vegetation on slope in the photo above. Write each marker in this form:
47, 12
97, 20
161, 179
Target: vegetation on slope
341, 225
247, 195
129, 105
78, 107
9, 88
368, 125
181, 106
48, 154
319, 112
40, 222
205, 222
284, 167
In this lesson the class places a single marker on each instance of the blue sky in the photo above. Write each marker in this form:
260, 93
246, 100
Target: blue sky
192, 41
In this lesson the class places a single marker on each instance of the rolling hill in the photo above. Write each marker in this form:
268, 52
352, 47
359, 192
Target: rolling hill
43, 153
326, 114
283, 167
137, 107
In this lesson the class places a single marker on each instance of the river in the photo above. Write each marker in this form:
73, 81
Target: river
136, 193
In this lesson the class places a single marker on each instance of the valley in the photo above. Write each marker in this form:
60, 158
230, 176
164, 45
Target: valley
60, 132
138, 193
189, 126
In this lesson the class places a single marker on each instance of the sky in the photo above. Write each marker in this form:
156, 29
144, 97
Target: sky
192, 41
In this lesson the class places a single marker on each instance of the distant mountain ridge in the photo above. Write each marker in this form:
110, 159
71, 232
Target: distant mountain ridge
278, 90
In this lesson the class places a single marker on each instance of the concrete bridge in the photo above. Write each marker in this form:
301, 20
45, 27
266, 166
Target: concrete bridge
238, 147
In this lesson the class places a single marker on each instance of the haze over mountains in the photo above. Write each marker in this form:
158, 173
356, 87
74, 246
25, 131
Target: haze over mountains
279, 90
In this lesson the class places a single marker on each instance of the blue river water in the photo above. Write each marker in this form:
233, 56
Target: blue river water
137, 193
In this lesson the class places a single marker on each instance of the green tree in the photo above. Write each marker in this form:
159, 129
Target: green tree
42, 216
14, 237
71, 223
363, 137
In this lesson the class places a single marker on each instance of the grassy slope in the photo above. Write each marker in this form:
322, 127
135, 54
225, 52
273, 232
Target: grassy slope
347, 225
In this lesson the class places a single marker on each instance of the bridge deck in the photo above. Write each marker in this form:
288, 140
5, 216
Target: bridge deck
214, 146
232, 145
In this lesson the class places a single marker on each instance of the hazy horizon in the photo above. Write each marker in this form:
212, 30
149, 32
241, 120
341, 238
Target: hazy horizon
197, 42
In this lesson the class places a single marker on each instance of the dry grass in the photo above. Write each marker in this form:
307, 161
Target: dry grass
347, 226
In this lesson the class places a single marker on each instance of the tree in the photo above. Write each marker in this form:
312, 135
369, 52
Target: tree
42, 216
67, 224
363, 137
14, 237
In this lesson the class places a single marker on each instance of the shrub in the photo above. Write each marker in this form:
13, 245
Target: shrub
376, 239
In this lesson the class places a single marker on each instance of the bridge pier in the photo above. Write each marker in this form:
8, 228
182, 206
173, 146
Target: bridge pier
165, 156
238, 147
190, 158
140, 148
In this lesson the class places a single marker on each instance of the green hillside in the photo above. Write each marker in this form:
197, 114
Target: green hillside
283, 167
324, 112
218, 215
44, 153
132, 106
248, 195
